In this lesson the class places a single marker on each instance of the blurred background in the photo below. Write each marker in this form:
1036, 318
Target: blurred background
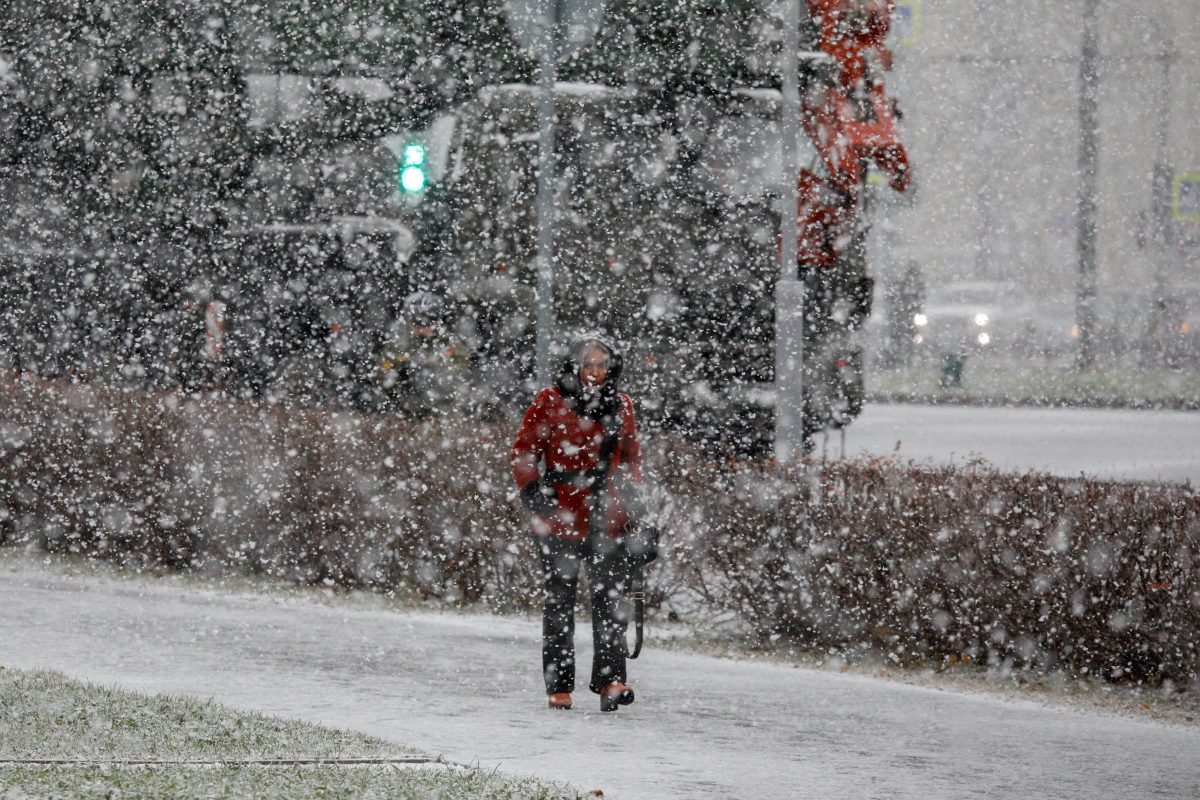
245, 195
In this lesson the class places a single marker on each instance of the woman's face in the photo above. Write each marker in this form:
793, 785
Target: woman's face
595, 366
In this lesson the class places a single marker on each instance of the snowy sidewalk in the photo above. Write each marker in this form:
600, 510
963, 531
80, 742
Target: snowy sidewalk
468, 687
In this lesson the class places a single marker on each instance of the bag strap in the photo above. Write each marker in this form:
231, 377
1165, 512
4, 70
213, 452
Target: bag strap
637, 593
598, 513
608, 449
637, 580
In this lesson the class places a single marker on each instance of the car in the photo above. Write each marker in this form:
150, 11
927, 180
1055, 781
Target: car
1189, 324
1127, 323
971, 317
1171, 335
1050, 328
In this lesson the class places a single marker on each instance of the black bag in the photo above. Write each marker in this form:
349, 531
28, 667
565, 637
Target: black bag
641, 542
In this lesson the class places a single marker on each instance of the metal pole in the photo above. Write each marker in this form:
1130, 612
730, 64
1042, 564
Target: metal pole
1085, 312
547, 58
1160, 207
789, 291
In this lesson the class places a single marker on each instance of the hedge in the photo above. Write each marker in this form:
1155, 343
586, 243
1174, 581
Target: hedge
922, 563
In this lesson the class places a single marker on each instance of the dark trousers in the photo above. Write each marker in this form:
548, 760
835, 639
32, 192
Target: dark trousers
608, 574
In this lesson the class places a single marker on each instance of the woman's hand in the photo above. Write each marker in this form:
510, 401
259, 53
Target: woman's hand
539, 497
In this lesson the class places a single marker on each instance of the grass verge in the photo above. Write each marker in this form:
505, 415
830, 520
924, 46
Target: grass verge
95, 734
996, 380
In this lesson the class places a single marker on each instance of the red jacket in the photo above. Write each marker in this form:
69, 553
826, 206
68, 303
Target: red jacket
553, 432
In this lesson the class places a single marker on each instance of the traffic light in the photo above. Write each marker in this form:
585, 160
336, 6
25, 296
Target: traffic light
413, 178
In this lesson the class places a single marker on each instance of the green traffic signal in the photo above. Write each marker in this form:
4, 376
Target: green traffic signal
412, 179
412, 168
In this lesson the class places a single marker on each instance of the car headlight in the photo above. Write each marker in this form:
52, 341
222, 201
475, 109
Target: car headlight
985, 338
981, 319
920, 320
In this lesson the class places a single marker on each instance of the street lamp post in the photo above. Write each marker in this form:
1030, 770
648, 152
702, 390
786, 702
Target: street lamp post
547, 69
789, 290
1085, 312
549, 30
1160, 205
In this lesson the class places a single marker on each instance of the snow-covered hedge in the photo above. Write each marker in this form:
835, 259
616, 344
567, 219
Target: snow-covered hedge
951, 564
920, 563
312, 495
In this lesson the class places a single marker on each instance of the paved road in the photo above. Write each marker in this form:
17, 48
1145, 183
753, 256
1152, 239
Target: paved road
467, 687
1135, 445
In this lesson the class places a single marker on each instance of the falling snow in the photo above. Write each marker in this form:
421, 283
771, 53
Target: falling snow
278, 279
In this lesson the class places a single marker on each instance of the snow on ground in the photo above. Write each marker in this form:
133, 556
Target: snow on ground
467, 687
1105, 443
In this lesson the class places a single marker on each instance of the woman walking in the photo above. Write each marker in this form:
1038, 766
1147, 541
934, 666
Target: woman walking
582, 434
